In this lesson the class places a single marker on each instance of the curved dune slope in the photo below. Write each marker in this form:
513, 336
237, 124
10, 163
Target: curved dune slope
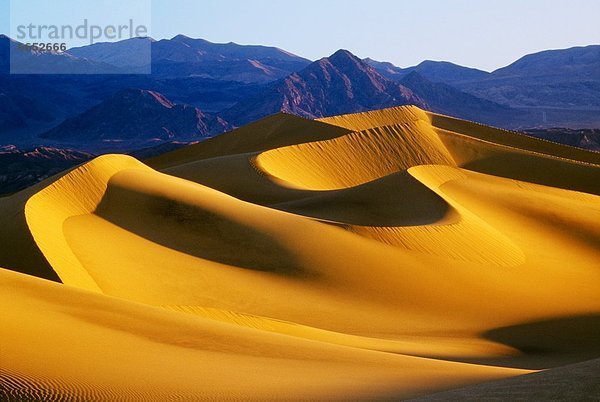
388, 254
117, 350
79, 192
356, 158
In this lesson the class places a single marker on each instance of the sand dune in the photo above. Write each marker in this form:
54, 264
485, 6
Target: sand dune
572, 382
121, 350
388, 254
356, 158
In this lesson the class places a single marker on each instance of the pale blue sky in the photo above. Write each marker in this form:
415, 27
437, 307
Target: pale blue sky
484, 34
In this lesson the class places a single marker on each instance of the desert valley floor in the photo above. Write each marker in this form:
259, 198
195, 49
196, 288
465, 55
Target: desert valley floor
392, 254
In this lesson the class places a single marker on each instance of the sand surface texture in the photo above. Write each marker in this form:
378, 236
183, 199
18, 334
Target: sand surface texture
393, 254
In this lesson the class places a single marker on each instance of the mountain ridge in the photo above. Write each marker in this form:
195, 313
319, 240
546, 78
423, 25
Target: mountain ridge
242, 83
185, 56
342, 83
135, 115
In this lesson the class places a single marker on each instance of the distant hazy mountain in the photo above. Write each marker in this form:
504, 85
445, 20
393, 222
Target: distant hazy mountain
5, 45
41, 102
445, 99
435, 71
137, 116
559, 88
341, 83
183, 56
248, 71
387, 69
583, 138
555, 88
443, 71
554, 79
131, 55
29, 104
11, 116
22, 60
183, 48
209, 95
565, 64
16, 110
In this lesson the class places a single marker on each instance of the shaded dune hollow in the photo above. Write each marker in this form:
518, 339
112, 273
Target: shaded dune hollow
390, 255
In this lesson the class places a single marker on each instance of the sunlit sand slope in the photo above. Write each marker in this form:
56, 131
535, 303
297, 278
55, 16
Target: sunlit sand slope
389, 254
100, 348
356, 158
79, 192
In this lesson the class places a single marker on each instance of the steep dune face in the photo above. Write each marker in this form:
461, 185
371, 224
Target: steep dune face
356, 158
388, 254
379, 118
79, 192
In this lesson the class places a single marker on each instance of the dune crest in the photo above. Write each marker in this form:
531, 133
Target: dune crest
356, 158
387, 254
77, 193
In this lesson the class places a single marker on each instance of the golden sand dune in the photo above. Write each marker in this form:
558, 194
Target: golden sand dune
100, 348
356, 158
389, 254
